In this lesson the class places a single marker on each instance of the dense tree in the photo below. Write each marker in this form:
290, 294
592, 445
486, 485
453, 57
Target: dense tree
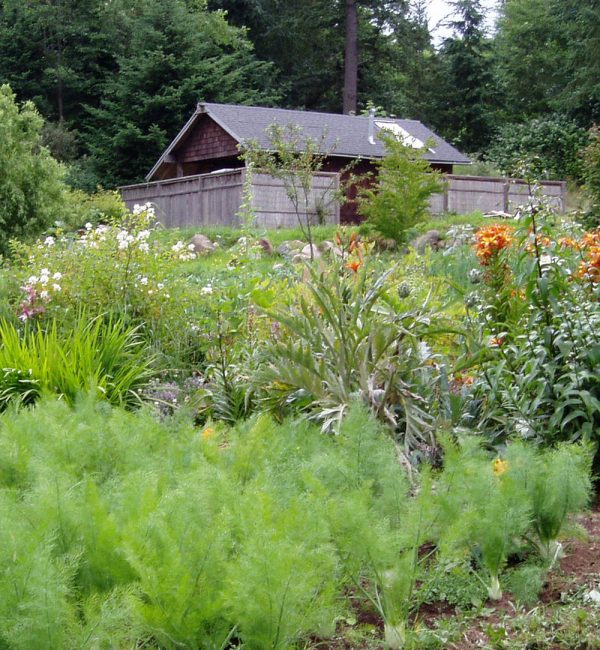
312, 62
119, 78
467, 91
176, 56
548, 54
32, 194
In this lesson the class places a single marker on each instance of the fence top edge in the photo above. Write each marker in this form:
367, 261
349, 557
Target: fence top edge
500, 179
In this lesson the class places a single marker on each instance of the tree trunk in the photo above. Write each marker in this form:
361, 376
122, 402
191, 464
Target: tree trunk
351, 58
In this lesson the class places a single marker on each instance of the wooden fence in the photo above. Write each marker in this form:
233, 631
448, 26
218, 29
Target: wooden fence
464, 194
215, 199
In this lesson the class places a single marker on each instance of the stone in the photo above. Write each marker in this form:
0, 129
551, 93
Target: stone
290, 248
305, 252
328, 247
266, 246
431, 238
202, 244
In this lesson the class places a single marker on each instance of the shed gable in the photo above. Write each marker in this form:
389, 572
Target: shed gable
206, 141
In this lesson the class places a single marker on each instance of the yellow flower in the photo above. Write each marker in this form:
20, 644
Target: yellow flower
208, 433
499, 466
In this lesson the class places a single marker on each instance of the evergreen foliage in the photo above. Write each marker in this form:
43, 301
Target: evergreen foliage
401, 199
32, 194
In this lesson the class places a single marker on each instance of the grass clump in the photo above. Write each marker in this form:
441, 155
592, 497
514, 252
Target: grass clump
104, 356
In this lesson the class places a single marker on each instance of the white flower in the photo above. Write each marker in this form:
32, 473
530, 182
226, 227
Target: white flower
144, 281
45, 272
57, 276
33, 279
178, 246
44, 295
56, 287
44, 279
49, 241
207, 290
88, 226
192, 248
160, 286
144, 247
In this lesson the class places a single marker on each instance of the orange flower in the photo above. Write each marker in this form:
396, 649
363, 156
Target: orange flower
589, 268
490, 240
542, 242
591, 239
496, 341
569, 242
354, 265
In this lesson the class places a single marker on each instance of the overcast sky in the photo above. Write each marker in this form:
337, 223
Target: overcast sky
439, 10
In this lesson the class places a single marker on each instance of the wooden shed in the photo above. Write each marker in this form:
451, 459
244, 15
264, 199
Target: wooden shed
210, 142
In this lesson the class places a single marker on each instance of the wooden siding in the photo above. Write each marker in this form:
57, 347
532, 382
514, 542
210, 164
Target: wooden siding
215, 199
207, 140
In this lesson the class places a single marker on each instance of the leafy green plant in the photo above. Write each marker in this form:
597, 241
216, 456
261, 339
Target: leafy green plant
557, 483
32, 193
105, 357
483, 509
536, 352
400, 199
342, 341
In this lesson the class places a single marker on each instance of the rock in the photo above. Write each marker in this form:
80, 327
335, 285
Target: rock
328, 247
385, 244
289, 248
306, 252
202, 244
266, 246
431, 238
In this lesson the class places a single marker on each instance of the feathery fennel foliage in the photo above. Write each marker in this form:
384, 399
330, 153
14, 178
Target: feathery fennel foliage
117, 530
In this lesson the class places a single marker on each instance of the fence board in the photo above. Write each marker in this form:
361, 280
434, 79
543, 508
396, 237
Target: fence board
215, 199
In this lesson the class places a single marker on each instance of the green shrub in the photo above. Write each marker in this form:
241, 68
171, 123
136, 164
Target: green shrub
32, 194
547, 148
400, 198
116, 268
591, 178
100, 207
105, 357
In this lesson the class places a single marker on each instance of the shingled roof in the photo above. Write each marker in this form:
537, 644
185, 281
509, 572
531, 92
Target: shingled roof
344, 135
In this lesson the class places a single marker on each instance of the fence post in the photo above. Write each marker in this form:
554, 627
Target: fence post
505, 194
445, 202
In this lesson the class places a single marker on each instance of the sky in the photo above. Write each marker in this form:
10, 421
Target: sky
439, 11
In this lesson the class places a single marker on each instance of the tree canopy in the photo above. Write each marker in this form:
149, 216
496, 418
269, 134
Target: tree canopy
116, 80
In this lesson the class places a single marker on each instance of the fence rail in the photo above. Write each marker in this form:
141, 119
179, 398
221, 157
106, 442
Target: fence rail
464, 194
215, 199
